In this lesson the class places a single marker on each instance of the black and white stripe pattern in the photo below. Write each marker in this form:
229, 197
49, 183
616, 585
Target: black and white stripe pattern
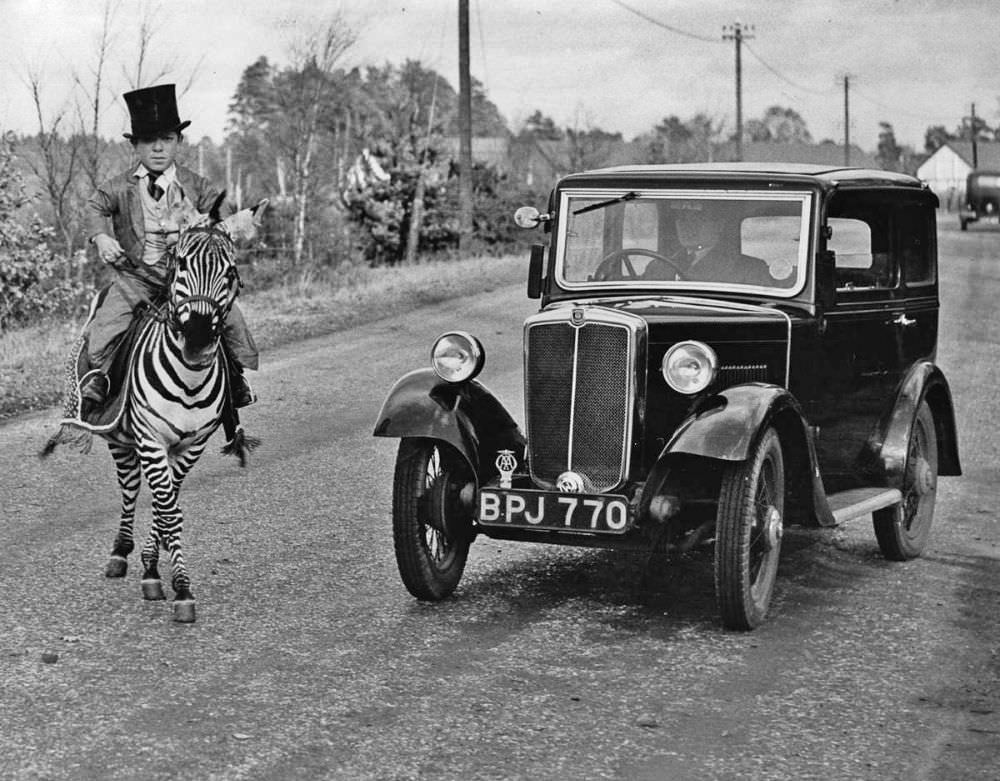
178, 391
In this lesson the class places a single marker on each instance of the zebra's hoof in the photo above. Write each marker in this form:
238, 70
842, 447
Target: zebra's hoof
152, 589
117, 567
184, 611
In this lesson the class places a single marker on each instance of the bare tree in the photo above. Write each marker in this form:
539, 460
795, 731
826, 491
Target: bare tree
141, 71
90, 105
314, 59
56, 165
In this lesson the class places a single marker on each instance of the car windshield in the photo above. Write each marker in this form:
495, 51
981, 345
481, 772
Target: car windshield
684, 239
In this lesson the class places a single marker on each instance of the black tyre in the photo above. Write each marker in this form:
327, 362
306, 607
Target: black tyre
964, 224
902, 531
430, 524
748, 532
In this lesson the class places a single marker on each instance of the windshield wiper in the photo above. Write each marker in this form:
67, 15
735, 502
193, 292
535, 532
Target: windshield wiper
602, 204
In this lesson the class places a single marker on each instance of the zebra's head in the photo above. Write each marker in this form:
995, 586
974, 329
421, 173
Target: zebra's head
205, 279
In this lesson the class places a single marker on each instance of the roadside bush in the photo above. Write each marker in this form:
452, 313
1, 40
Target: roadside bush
380, 214
34, 280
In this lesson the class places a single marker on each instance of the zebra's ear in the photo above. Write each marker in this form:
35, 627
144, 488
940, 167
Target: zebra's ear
258, 211
215, 213
244, 224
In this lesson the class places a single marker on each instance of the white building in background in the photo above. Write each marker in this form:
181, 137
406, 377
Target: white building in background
945, 171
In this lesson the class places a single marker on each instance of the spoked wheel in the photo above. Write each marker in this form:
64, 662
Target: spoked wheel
431, 519
748, 531
902, 530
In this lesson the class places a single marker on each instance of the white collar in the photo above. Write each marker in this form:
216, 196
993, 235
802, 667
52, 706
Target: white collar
167, 177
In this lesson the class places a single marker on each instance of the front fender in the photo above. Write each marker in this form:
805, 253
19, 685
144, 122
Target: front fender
727, 423
726, 426
465, 415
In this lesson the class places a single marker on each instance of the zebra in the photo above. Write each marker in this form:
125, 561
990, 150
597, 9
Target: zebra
176, 397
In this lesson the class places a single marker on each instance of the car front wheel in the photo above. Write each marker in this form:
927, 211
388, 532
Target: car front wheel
431, 523
749, 526
902, 530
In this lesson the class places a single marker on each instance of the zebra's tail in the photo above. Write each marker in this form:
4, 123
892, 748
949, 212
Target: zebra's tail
240, 446
76, 437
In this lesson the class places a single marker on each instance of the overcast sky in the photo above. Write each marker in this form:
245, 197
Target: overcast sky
586, 63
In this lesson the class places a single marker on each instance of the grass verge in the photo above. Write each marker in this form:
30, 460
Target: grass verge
32, 359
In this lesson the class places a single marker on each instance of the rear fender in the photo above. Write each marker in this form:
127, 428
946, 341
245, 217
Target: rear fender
885, 451
465, 415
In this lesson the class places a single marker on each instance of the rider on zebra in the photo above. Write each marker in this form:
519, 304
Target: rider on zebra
133, 225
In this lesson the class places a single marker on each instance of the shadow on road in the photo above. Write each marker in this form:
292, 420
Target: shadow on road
653, 593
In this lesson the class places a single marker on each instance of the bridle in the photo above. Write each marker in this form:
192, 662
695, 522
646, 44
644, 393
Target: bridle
174, 305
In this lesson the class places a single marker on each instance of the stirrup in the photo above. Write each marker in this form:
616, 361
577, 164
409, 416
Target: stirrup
94, 386
243, 392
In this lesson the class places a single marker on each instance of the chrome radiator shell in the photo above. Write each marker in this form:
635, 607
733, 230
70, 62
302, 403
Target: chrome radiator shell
581, 377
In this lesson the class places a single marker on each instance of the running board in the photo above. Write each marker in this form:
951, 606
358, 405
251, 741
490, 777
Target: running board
848, 505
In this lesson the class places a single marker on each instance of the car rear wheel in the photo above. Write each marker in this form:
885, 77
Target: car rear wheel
902, 530
430, 521
749, 526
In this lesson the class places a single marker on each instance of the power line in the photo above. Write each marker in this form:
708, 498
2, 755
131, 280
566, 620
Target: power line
783, 77
910, 115
664, 25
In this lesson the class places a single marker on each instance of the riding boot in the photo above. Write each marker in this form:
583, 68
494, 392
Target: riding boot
243, 395
93, 392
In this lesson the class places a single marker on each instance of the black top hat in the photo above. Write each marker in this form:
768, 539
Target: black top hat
153, 111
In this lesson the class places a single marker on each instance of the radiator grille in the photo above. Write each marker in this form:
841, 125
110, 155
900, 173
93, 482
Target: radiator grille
578, 398
735, 374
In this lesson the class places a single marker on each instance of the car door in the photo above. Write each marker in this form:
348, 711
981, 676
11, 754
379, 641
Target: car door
916, 240
864, 342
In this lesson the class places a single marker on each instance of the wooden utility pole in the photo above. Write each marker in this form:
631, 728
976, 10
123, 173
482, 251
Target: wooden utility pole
738, 32
464, 128
975, 132
847, 121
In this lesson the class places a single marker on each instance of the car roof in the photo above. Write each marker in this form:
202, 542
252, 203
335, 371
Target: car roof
823, 175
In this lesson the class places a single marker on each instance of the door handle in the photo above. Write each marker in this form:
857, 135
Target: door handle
904, 321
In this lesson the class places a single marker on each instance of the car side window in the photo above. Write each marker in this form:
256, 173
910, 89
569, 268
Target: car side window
860, 236
915, 228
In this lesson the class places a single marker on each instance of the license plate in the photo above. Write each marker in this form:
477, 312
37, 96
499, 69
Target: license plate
601, 513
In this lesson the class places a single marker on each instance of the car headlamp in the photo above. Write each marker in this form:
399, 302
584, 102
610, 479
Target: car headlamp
689, 367
457, 356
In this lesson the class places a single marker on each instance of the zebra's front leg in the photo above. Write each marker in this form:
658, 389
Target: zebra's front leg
166, 532
152, 587
129, 482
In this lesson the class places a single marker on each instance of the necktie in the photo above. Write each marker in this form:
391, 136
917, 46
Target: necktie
154, 189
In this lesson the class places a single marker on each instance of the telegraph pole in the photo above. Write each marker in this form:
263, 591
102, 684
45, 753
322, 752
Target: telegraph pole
738, 32
847, 122
464, 128
975, 148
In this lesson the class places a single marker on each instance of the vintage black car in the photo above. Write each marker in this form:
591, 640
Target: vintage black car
721, 351
982, 198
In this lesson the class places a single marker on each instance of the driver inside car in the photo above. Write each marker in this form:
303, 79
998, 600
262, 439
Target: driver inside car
708, 236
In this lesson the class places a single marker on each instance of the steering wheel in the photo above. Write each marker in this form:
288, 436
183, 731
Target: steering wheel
607, 269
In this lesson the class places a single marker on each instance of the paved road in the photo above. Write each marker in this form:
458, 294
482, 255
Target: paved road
309, 659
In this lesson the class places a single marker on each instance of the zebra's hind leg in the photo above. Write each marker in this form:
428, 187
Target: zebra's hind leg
129, 482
